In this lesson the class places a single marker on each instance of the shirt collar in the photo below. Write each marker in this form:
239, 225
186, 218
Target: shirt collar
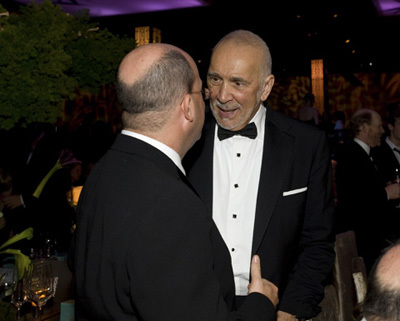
390, 143
168, 151
363, 145
259, 120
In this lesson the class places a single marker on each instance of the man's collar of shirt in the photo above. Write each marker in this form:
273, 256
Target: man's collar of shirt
173, 155
391, 144
363, 145
259, 120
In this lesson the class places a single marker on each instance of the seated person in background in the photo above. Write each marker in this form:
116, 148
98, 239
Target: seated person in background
339, 120
31, 164
12, 221
54, 212
5, 190
308, 113
382, 301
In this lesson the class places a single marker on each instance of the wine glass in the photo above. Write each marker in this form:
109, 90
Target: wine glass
18, 294
39, 285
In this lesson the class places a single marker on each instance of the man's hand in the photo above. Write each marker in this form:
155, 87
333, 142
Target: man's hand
12, 201
260, 285
284, 316
393, 191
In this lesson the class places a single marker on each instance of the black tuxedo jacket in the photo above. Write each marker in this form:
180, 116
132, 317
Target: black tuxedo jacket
293, 231
386, 161
145, 247
362, 201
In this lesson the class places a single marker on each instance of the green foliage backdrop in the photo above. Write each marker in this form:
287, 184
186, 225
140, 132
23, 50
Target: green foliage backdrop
45, 55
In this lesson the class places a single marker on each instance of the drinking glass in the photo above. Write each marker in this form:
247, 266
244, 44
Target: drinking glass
40, 285
18, 294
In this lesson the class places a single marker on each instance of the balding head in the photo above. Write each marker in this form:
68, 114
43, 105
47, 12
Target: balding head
247, 40
137, 62
388, 269
382, 302
151, 81
366, 125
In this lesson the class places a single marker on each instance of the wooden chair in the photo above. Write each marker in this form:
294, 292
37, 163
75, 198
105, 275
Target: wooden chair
343, 298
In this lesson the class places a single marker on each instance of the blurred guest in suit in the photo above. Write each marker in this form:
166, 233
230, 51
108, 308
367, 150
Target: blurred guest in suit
266, 179
387, 155
381, 302
146, 249
387, 159
363, 195
307, 112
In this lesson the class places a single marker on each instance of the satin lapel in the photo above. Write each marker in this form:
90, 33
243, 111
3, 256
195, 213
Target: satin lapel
277, 156
207, 187
201, 173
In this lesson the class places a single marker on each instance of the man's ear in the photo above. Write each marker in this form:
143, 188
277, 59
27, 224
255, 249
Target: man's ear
365, 127
268, 84
187, 107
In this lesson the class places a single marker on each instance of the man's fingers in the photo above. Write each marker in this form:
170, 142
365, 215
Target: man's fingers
255, 268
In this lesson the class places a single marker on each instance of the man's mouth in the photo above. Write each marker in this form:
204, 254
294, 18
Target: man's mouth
228, 114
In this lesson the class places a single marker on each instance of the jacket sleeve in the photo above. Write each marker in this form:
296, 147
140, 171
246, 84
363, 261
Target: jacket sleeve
305, 288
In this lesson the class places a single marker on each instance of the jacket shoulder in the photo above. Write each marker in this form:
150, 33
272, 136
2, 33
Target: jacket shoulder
292, 126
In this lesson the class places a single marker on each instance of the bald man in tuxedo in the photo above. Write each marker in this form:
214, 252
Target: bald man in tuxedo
265, 178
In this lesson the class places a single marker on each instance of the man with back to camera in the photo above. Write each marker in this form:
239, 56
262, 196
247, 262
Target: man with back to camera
145, 247
268, 186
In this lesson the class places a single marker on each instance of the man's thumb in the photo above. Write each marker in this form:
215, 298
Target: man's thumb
255, 268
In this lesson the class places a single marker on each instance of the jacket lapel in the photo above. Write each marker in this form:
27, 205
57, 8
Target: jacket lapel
206, 189
277, 157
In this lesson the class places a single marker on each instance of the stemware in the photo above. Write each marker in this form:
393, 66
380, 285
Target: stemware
39, 285
18, 294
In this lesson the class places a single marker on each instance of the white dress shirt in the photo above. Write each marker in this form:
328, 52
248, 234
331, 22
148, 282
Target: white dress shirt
393, 146
168, 151
237, 167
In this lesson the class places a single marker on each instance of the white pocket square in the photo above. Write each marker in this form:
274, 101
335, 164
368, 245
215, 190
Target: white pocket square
295, 191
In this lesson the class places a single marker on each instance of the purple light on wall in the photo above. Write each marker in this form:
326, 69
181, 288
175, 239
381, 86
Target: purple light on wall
387, 7
98, 8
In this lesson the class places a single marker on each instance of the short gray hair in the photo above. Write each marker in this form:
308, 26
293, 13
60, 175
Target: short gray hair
360, 117
165, 82
248, 38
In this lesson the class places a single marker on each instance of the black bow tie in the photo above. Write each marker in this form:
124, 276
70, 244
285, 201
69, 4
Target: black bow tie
249, 131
